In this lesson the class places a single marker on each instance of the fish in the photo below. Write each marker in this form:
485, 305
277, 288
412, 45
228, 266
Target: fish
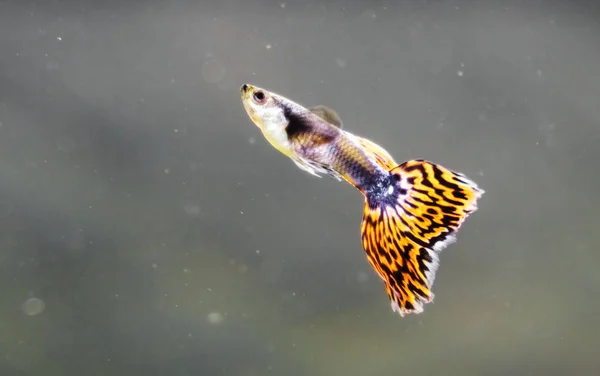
412, 210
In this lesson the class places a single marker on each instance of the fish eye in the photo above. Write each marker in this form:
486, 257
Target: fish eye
260, 97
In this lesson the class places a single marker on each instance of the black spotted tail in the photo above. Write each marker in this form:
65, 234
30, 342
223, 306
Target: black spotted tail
407, 224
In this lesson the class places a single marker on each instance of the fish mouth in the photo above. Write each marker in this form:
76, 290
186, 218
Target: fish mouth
247, 89
246, 92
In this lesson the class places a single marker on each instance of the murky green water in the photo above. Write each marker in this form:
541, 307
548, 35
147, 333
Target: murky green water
147, 228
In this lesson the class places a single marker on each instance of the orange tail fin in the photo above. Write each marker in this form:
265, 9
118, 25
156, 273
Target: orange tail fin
406, 224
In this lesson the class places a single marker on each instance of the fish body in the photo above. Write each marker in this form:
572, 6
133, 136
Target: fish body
412, 210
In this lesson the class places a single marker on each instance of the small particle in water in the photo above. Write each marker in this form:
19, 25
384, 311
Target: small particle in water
268, 46
460, 73
539, 72
167, 171
33, 306
369, 14
282, 5
59, 38
215, 318
340, 62
154, 265
251, 140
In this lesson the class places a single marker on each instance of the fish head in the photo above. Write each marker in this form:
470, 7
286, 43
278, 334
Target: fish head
269, 112
261, 106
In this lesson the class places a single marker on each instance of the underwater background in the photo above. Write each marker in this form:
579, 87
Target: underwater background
147, 228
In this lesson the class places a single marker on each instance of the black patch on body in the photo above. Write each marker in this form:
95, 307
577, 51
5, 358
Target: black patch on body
308, 124
297, 124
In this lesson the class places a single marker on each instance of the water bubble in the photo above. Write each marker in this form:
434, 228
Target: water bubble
33, 306
215, 318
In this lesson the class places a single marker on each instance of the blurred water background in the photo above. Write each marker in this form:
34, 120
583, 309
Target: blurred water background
147, 228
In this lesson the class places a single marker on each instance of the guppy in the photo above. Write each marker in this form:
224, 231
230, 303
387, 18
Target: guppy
412, 210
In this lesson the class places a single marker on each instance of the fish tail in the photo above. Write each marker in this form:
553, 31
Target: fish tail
409, 217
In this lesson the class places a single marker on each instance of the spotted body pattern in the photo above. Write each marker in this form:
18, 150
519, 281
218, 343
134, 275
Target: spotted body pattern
412, 211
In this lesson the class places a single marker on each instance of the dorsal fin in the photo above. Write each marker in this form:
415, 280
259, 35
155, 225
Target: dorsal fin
380, 154
327, 114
